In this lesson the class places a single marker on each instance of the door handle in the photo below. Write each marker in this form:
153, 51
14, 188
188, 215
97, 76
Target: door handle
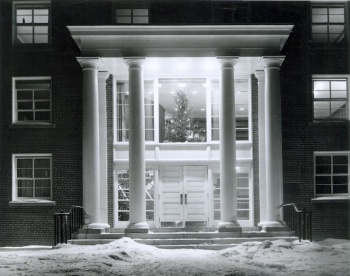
181, 199
185, 198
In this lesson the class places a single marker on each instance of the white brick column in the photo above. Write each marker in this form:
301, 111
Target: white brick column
273, 144
228, 181
102, 77
91, 143
136, 147
260, 75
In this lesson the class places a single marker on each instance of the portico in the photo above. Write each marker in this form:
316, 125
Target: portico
149, 53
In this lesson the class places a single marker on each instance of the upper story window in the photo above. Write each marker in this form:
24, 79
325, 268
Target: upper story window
131, 16
32, 176
328, 23
32, 99
32, 23
182, 110
331, 173
330, 98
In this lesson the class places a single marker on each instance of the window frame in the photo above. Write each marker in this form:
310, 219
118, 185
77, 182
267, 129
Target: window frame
328, 6
15, 101
31, 5
331, 78
15, 197
331, 174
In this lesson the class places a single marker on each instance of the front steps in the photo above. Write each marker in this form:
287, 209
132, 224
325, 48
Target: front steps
180, 240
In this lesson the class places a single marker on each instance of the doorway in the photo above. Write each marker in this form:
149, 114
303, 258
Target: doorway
184, 196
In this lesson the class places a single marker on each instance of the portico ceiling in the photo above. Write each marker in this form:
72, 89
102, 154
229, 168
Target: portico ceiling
181, 41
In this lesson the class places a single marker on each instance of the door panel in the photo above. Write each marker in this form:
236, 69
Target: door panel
195, 189
171, 209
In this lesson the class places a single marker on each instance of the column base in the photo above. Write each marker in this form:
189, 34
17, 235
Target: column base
139, 227
229, 227
96, 225
272, 226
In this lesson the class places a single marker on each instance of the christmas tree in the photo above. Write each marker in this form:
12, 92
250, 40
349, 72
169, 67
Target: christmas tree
178, 127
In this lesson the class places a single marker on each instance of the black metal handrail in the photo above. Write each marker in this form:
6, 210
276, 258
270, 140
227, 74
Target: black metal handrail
66, 224
299, 221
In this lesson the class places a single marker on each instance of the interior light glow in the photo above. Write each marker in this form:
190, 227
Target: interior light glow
202, 109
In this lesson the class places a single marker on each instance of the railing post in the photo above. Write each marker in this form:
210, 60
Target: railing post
299, 227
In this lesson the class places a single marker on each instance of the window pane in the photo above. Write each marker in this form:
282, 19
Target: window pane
323, 159
338, 109
40, 30
123, 20
140, 20
42, 105
149, 135
24, 173
340, 189
149, 216
320, 38
41, 38
25, 116
242, 215
215, 135
321, 29
337, 18
215, 122
123, 216
323, 189
24, 163
123, 205
42, 173
25, 34
336, 29
242, 193
42, 94
340, 180
321, 85
123, 194
41, 16
340, 159
319, 10
24, 16
339, 94
338, 85
140, 12
322, 110
25, 105
123, 12
317, 18
340, 169
42, 163
24, 95
322, 94
323, 169
42, 116
323, 180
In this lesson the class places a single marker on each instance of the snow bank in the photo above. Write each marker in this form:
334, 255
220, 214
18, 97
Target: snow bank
126, 257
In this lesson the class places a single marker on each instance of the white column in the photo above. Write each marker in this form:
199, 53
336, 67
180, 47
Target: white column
260, 75
91, 143
228, 182
102, 77
136, 147
273, 143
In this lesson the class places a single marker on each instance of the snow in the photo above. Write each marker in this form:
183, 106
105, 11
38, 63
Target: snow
126, 257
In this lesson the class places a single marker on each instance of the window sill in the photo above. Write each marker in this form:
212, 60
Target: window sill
32, 202
330, 199
32, 125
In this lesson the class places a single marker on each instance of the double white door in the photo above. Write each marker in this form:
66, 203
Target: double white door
183, 196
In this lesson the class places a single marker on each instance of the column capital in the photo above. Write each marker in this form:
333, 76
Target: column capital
90, 62
273, 62
102, 76
260, 75
135, 62
227, 62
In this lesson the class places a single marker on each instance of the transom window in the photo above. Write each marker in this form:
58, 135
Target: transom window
328, 23
331, 174
32, 177
32, 24
32, 99
131, 16
330, 99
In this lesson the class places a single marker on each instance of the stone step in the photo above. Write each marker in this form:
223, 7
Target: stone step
199, 243
182, 235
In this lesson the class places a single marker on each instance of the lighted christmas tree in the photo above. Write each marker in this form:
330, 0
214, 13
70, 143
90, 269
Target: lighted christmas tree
178, 127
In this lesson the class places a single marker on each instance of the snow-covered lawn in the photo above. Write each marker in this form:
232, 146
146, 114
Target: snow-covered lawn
126, 257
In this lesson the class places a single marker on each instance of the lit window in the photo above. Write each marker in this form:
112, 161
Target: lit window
32, 24
331, 174
131, 16
330, 99
122, 111
32, 100
241, 110
123, 194
32, 177
328, 23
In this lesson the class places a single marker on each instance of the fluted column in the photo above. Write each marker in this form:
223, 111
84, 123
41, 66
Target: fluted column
260, 75
91, 143
137, 219
273, 143
102, 77
228, 181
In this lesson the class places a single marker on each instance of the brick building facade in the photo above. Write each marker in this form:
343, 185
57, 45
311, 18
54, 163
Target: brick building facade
42, 117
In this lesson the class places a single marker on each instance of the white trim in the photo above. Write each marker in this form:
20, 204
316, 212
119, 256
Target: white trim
15, 198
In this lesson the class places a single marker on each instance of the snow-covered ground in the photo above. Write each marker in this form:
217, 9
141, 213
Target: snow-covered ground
126, 257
